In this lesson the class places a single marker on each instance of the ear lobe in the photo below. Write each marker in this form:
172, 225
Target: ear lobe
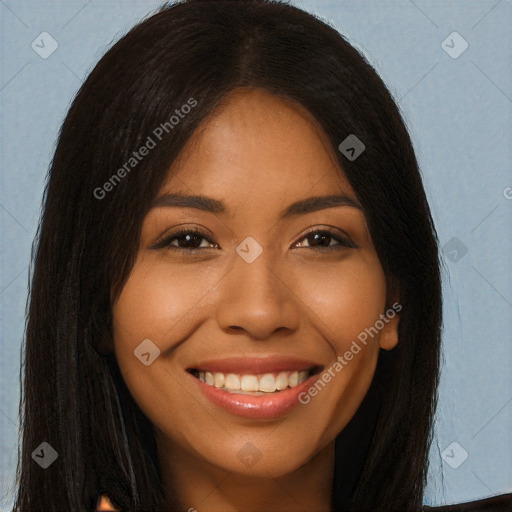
389, 334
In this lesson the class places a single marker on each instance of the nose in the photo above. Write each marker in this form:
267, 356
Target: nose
254, 298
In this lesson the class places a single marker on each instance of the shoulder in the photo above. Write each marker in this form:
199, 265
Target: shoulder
501, 503
105, 505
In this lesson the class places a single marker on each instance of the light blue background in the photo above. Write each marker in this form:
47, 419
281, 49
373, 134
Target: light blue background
459, 114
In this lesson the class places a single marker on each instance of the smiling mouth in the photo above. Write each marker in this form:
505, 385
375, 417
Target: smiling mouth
254, 384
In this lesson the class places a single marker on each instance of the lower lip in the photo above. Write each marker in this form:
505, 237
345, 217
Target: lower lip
263, 407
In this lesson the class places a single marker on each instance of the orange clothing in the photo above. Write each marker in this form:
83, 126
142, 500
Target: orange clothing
105, 505
500, 503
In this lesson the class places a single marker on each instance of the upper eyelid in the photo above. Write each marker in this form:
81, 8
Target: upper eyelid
330, 231
165, 240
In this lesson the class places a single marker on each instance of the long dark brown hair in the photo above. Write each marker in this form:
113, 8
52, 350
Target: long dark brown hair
73, 395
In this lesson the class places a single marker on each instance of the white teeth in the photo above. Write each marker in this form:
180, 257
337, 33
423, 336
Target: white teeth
266, 383
282, 381
293, 379
218, 380
232, 382
249, 383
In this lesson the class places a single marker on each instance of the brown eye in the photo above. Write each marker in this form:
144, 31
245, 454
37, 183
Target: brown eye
186, 240
320, 239
324, 239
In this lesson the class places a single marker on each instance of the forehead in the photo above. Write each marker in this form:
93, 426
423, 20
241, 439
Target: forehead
258, 145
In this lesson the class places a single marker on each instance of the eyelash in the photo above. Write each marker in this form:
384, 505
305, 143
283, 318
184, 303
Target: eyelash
166, 242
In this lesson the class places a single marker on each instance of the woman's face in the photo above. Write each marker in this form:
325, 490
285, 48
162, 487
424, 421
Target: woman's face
269, 294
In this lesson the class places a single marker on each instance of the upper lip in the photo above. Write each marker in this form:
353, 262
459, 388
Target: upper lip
256, 365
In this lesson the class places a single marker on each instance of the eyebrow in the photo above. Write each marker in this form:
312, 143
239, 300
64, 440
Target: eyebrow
311, 204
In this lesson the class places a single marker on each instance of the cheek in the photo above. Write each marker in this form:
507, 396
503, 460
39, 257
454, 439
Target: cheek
157, 303
346, 298
158, 299
346, 302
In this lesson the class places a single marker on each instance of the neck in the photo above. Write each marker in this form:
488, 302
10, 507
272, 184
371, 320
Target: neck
206, 487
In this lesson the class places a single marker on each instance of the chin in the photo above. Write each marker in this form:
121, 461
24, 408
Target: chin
262, 459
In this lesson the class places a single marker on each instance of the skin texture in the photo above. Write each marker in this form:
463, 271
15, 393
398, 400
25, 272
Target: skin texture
257, 154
